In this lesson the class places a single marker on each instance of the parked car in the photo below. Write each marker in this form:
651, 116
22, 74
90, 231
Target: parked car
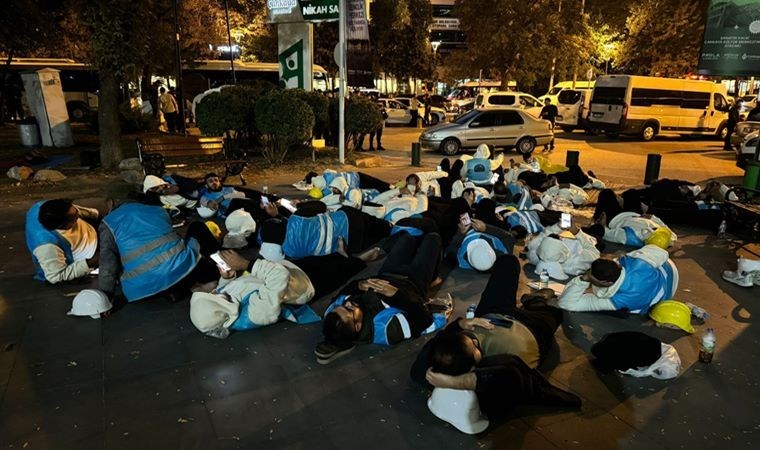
741, 131
573, 109
437, 115
500, 99
746, 151
399, 112
553, 93
748, 104
500, 127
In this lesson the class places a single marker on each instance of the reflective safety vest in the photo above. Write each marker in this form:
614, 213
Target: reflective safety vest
352, 178
300, 314
528, 219
644, 285
525, 201
632, 239
412, 231
315, 236
479, 170
390, 324
495, 243
37, 235
153, 256
218, 197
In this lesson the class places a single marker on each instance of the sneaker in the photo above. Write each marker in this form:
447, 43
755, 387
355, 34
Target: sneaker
738, 279
327, 352
756, 278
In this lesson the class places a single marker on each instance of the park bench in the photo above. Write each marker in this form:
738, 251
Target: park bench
745, 211
154, 150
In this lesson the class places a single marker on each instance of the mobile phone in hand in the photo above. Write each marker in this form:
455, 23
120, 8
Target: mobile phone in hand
217, 258
566, 221
287, 204
265, 200
465, 219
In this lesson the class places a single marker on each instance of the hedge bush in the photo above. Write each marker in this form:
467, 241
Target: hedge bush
319, 105
362, 116
232, 110
284, 120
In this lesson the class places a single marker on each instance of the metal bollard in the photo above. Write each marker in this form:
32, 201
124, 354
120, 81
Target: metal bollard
416, 154
652, 171
572, 158
419, 123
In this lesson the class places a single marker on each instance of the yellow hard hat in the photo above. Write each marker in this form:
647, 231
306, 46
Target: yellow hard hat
672, 312
214, 229
315, 192
661, 237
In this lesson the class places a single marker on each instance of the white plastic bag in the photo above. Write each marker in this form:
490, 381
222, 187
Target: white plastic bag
665, 368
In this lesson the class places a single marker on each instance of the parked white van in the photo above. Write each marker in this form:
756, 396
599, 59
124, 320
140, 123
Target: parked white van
501, 99
573, 109
553, 93
648, 106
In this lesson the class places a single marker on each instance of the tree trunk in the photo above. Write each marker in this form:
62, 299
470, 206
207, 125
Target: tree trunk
505, 80
145, 84
108, 120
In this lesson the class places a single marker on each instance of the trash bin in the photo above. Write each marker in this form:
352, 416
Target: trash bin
29, 132
752, 175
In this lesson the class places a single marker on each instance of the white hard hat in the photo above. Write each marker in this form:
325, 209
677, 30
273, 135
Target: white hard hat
480, 254
206, 213
152, 181
240, 222
90, 302
459, 408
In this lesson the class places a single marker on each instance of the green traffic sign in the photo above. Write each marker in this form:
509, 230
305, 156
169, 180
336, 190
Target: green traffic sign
319, 10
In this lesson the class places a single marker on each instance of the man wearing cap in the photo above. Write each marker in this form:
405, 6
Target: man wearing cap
477, 245
166, 191
253, 300
241, 229
496, 353
562, 252
389, 307
635, 282
62, 243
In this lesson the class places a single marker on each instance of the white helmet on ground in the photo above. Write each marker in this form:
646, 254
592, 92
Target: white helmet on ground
90, 302
459, 408
206, 213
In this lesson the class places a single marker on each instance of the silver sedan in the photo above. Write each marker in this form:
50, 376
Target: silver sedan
503, 127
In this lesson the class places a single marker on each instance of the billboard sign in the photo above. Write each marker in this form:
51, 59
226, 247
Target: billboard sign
731, 44
292, 11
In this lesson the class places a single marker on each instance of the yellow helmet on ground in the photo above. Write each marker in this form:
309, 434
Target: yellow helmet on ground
672, 312
661, 237
315, 193
214, 229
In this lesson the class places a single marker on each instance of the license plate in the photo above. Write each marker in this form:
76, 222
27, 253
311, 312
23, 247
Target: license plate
597, 114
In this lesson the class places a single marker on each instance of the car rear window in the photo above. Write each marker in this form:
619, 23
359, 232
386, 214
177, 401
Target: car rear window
569, 97
609, 95
502, 99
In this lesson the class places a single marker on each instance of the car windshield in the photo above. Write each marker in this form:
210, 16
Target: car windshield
461, 120
569, 97
555, 91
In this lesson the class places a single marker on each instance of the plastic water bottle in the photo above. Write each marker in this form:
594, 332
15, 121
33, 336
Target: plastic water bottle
265, 189
471, 311
698, 312
707, 347
722, 229
543, 280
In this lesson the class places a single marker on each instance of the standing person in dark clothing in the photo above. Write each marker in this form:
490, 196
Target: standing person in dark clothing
428, 105
378, 131
549, 112
733, 120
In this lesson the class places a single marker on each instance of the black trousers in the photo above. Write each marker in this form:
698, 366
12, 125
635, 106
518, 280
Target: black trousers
416, 260
500, 297
364, 230
328, 273
370, 182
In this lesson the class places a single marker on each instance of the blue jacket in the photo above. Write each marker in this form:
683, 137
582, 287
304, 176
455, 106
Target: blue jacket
218, 197
528, 219
300, 314
643, 285
495, 243
479, 170
37, 235
525, 201
153, 256
315, 236
391, 325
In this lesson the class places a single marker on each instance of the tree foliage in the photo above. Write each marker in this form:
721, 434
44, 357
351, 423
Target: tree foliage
400, 38
663, 37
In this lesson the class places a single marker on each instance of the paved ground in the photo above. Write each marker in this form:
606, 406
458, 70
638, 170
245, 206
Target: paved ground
145, 378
